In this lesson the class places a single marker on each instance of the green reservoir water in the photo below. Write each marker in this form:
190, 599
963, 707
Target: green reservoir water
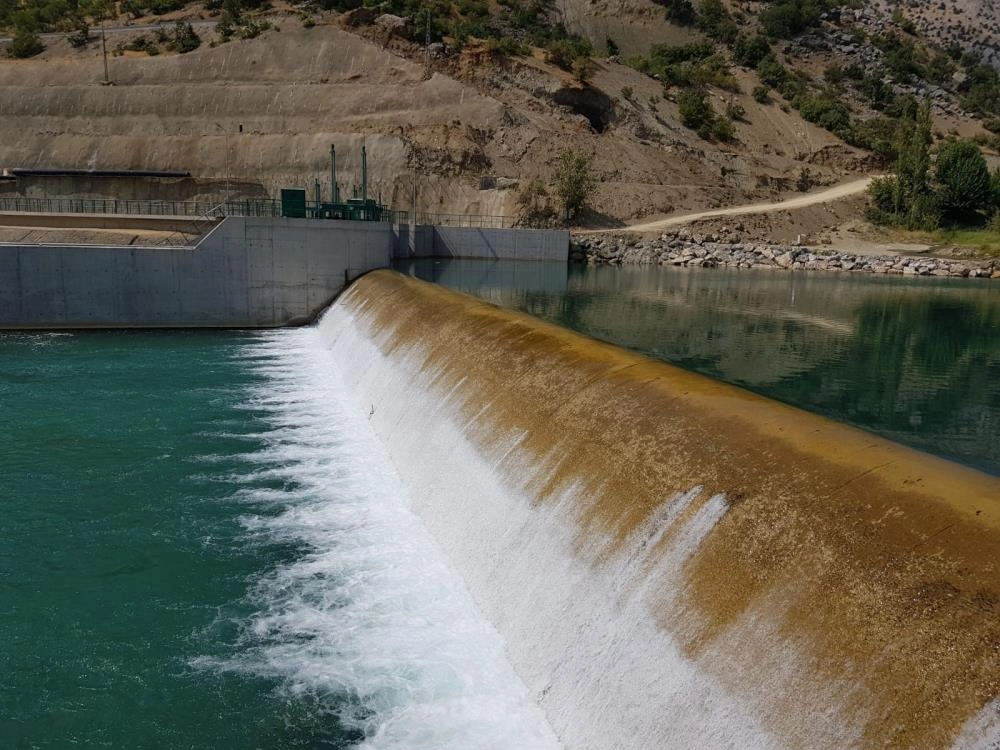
122, 557
203, 545
916, 360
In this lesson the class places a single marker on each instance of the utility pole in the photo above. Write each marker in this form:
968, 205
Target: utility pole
226, 133
104, 49
427, 47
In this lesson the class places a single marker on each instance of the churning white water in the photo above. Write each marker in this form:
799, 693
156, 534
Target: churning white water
372, 612
575, 617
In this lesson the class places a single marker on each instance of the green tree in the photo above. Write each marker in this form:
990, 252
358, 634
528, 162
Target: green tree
26, 43
185, 38
681, 12
714, 20
964, 179
749, 51
913, 159
695, 110
906, 199
574, 180
533, 206
697, 113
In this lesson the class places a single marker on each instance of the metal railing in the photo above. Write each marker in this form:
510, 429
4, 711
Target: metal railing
250, 207
117, 206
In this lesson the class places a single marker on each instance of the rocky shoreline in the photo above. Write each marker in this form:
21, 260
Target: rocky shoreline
711, 251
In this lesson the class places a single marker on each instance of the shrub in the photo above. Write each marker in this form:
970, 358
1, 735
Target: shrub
771, 72
883, 192
507, 46
25, 44
534, 206
627, 93
142, 43
714, 20
81, 37
748, 51
723, 129
581, 69
696, 113
762, 94
735, 111
574, 182
876, 91
184, 38
834, 74
680, 12
563, 53
785, 19
964, 178
824, 112
695, 110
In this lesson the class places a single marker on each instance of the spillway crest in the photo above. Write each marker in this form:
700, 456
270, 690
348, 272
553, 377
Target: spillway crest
672, 561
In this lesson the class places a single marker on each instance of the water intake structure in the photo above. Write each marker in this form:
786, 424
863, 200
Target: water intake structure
673, 562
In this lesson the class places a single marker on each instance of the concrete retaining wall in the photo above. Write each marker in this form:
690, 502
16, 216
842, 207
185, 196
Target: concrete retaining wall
498, 244
245, 273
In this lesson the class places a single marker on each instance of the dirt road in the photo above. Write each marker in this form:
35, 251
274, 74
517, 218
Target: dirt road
844, 190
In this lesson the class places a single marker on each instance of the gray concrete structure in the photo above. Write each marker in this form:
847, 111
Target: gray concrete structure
481, 243
253, 273
245, 273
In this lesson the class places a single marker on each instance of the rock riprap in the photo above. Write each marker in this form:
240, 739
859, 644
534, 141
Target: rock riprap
710, 251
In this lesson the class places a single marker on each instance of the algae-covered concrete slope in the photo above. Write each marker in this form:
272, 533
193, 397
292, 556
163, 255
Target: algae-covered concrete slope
277, 102
674, 562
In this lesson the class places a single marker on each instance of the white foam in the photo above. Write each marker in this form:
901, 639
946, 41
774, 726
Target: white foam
981, 732
580, 634
372, 614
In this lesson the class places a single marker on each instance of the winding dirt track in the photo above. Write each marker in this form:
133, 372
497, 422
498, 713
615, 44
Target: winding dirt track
844, 190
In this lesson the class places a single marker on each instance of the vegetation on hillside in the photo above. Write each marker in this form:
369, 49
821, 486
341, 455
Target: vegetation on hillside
842, 102
570, 194
954, 189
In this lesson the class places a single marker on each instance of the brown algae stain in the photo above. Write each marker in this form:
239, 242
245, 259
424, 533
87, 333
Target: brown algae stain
884, 559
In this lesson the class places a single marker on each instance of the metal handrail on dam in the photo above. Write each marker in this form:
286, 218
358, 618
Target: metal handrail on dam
248, 207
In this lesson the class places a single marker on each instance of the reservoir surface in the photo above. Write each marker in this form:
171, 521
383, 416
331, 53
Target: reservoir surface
916, 360
203, 544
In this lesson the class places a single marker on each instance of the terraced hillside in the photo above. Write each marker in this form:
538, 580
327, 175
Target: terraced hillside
278, 101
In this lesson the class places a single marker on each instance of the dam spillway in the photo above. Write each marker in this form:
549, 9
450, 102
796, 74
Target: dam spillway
671, 561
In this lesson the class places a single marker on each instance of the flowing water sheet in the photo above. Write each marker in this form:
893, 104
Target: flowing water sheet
370, 622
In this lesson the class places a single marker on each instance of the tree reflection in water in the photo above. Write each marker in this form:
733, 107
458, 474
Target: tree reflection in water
916, 360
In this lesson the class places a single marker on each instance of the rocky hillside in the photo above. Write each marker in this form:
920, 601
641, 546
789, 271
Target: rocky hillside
972, 25
464, 124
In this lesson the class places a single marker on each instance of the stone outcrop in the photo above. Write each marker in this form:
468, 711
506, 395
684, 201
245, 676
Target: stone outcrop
711, 251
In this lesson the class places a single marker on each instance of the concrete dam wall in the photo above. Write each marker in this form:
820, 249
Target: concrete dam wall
673, 562
245, 273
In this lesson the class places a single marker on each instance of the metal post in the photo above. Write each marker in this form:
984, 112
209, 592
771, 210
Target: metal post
364, 174
334, 190
226, 134
104, 48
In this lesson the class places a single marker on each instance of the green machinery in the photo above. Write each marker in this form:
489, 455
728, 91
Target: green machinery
359, 207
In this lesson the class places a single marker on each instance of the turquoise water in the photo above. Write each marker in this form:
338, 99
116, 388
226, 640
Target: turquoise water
914, 359
202, 546
121, 552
